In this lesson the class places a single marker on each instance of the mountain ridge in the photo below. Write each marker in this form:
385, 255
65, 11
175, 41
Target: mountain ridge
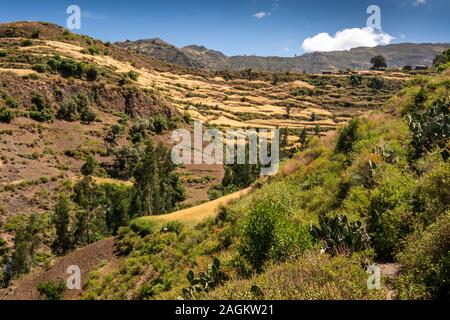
397, 56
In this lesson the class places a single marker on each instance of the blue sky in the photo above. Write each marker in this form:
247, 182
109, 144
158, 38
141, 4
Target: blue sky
262, 27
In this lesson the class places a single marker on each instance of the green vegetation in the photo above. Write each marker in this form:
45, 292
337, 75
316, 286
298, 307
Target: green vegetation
133, 75
69, 68
52, 290
77, 108
378, 62
41, 111
376, 196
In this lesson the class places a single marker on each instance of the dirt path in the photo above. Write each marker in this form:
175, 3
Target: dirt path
87, 258
197, 214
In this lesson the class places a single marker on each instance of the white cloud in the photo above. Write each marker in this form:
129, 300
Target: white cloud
346, 40
261, 15
419, 2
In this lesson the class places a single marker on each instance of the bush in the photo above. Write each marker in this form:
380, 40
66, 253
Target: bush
6, 115
356, 79
35, 34
92, 73
143, 226
347, 137
133, 75
52, 290
160, 124
78, 107
42, 112
270, 234
434, 192
3, 54
426, 263
173, 226
26, 43
93, 50
390, 211
41, 68
376, 83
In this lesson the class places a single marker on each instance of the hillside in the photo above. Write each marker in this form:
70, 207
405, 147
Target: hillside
85, 130
397, 56
61, 147
161, 50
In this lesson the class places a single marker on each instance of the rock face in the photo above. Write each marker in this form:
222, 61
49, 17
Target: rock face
194, 56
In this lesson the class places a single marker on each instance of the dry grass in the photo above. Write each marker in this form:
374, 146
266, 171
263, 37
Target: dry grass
197, 214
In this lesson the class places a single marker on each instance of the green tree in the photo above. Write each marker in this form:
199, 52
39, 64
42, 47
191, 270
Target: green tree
378, 62
89, 166
61, 220
146, 191
303, 137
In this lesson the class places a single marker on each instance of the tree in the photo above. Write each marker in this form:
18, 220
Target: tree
157, 188
90, 223
378, 62
89, 166
116, 206
146, 187
303, 137
284, 142
62, 243
25, 244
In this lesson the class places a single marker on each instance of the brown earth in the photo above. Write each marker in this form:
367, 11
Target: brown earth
88, 258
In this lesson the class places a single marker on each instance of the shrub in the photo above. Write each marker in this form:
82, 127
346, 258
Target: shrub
160, 124
173, 226
356, 79
92, 73
93, 50
434, 192
376, 83
26, 43
41, 68
142, 226
133, 75
69, 68
69, 110
89, 166
52, 290
390, 211
3, 54
426, 263
35, 34
42, 112
6, 115
347, 137
269, 233
78, 107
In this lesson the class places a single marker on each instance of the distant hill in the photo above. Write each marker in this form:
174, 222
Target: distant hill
397, 56
161, 50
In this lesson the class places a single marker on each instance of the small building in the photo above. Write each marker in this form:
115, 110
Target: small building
419, 67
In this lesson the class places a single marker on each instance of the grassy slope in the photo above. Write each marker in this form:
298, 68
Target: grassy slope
383, 189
